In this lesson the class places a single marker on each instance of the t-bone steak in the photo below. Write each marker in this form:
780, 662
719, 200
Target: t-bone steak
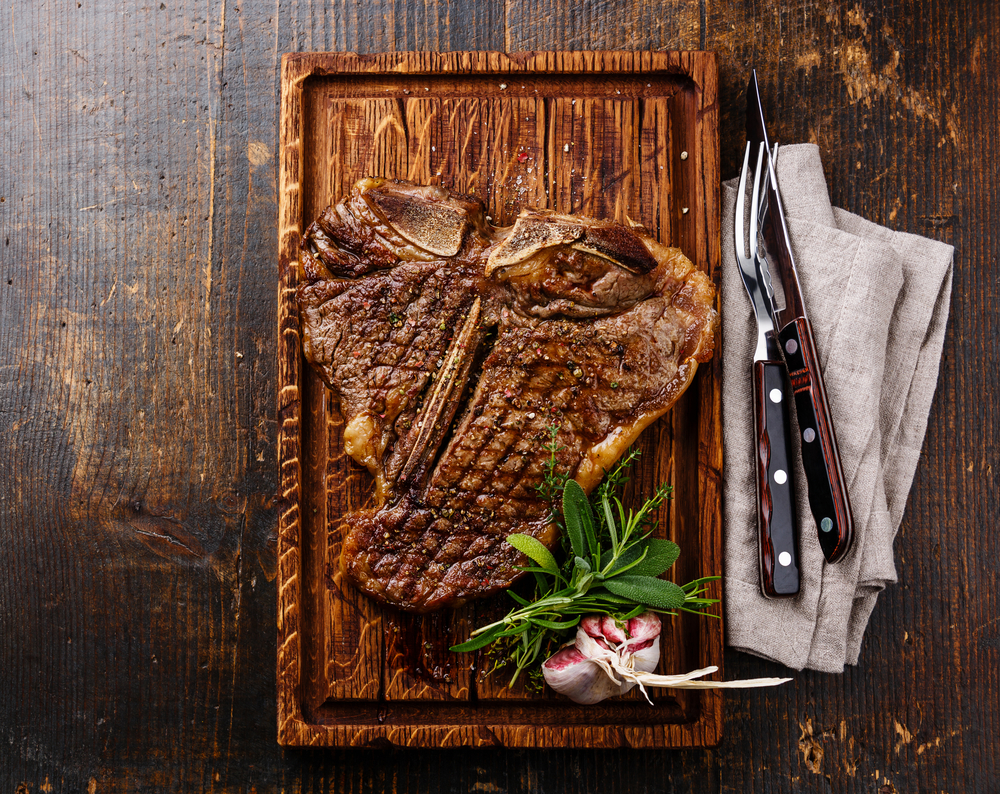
455, 348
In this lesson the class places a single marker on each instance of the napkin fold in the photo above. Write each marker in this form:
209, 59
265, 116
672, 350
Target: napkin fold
878, 301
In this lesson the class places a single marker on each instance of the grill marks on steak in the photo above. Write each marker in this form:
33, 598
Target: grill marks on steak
451, 368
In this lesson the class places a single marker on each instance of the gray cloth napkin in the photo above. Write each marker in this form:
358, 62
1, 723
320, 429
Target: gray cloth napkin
878, 301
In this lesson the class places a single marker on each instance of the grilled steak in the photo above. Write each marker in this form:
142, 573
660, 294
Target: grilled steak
456, 348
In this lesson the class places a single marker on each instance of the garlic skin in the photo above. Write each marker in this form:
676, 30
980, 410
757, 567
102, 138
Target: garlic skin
608, 659
571, 673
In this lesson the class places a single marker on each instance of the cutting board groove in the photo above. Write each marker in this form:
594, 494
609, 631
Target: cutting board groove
629, 136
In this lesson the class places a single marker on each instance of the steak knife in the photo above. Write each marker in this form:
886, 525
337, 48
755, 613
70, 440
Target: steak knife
776, 524
828, 500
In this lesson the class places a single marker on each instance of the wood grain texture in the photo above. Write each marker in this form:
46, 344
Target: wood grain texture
590, 133
131, 664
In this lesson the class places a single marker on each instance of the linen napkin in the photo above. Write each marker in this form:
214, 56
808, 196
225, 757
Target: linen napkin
878, 301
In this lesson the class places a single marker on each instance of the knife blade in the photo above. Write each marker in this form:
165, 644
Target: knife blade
827, 491
776, 524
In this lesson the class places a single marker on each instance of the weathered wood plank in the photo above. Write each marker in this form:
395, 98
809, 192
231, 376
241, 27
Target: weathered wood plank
138, 466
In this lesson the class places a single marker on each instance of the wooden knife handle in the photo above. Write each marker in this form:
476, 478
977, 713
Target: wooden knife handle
779, 558
828, 499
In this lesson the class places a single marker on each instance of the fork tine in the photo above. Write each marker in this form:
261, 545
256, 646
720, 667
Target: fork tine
762, 212
755, 201
740, 204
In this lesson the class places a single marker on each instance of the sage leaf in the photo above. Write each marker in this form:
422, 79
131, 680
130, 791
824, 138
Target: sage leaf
577, 512
630, 555
533, 548
660, 555
655, 593
572, 521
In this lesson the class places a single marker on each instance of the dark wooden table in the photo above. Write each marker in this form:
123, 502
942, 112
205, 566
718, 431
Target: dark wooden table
138, 210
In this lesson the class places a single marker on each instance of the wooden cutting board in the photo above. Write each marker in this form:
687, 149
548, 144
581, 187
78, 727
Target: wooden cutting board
608, 134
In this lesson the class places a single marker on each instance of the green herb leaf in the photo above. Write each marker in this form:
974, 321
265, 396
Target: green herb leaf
627, 558
660, 555
584, 582
571, 519
577, 513
556, 625
533, 548
609, 602
536, 569
522, 601
633, 613
609, 521
478, 642
696, 584
655, 593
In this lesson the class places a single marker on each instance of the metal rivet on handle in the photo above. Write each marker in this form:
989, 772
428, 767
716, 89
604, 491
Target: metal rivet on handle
784, 559
780, 477
826, 524
775, 395
791, 346
809, 435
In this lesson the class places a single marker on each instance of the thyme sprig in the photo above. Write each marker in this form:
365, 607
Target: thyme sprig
611, 565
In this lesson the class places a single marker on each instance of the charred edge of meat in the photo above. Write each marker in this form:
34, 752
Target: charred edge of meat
342, 243
620, 245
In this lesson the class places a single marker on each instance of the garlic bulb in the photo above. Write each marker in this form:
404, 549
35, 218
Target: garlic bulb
585, 670
609, 658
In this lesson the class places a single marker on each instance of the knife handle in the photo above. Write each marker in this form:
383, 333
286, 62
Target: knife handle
779, 559
828, 499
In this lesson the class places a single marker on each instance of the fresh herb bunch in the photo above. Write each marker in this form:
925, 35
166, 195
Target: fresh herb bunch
611, 566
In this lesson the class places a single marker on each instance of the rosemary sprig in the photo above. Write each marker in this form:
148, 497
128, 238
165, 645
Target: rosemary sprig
550, 488
611, 565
